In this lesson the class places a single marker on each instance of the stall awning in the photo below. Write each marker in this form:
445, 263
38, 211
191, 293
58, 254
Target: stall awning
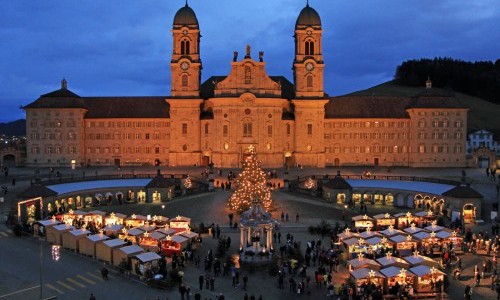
147, 257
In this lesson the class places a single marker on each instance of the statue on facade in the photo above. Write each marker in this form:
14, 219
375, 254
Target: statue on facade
261, 56
247, 55
235, 55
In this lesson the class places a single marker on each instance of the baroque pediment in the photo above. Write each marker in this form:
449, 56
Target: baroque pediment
247, 76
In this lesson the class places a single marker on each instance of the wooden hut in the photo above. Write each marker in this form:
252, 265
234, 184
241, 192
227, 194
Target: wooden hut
135, 220
147, 228
412, 229
173, 244
40, 227
363, 221
150, 241
383, 221
362, 262
131, 235
427, 278
404, 220
404, 244
54, 233
113, 230
396, 276
125, 254
95, 216
71, 239
454, 238
367, 276
114, 219
180, 223
391, 231
89, 243
144, 261
104, 250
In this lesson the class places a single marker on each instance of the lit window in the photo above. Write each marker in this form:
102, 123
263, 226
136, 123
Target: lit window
184, 129
247, 129
309, 81
309, 129
184, 80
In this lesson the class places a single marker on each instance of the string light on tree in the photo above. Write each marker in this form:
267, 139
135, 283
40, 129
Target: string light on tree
309, 184
250, 183
187, 183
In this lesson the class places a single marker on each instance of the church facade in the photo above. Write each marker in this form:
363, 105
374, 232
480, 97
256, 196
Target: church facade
289, 123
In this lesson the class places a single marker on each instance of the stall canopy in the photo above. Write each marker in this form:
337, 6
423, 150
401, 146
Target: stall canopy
79, 232
412, 229
366, 273
135, 232
347, 235
147, 256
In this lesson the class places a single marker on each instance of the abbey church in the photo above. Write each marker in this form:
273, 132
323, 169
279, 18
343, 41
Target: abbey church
289, 123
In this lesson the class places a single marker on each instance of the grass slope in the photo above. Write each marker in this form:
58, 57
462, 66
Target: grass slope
482, 114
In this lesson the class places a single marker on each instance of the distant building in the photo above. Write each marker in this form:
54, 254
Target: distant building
483, 138
216, 120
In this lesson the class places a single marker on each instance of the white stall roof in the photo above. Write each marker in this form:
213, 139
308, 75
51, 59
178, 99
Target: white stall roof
49, 222
114, 243
179, 239
421, 235
351, 241
393, 271
399, 238
362, 217
434, 228
367, 235
443, 234
117, 216
420, 260
422, 214
412, 230
156, 235
164, 231
179, 219
147, 228
373, 240
423, 270
148, 256
135, 232
415, 186
97, 237
79, 232
131, 249
384, 261
98, 184
356, 262
344, 235
138, 217
63, 227
189, 235
392, 232
383, 216
365, 273
114, 227
96, 212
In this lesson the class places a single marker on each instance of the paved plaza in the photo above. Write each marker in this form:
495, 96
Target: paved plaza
211, 208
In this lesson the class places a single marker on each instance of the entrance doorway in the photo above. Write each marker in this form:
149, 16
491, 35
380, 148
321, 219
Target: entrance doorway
469, 213
205, 160
9, 160
375, 161
117, 162
336, 162
484, 162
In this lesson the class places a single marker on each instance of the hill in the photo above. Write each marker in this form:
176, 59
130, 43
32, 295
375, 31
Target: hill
482, 114
14, 128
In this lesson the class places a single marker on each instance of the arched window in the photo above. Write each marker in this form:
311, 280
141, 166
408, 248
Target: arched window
287, 129
185, 47
248, 75
309, 81
309, 48
184, 80
206, 128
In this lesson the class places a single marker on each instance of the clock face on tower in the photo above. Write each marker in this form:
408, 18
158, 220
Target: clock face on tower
184, 66
184, 32
309, 66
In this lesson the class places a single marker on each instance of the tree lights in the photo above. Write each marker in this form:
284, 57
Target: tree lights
250, 183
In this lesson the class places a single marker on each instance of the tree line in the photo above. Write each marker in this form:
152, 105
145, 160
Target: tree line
480, 79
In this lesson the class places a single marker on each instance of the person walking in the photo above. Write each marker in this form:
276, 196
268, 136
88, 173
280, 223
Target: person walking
200, 281
467, 292
245, 280
92, 297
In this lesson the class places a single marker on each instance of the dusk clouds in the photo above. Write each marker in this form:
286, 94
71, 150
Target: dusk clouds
123, 47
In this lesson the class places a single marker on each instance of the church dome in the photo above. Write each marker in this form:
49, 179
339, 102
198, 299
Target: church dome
308, 17
185, 16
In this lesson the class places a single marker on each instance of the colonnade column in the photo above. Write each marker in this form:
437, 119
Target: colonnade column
242, 238
249, 236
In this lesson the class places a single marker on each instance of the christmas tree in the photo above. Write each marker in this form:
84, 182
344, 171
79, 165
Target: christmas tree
250, 183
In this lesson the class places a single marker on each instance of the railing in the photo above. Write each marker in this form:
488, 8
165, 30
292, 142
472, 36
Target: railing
69, 179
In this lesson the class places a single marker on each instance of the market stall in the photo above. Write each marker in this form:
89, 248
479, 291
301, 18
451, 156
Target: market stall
180, 223
377, 243
71, 239
143, 262
166, 231
434, 227
430, 242
363, 221
125, 254
173, 244
147, 227
404, 244
115, 219
96, 217
353, 246
54, 233
369, 233
404, 220
189, 234
73, 216
383, 221
396, 276
362, 262
412, 229
367, 276
347, 234
427, 277
88, 244
135, 221
159, 221
104, 250
150, 241
40, 227
113, 230
426, 217
455, 239
131, 235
